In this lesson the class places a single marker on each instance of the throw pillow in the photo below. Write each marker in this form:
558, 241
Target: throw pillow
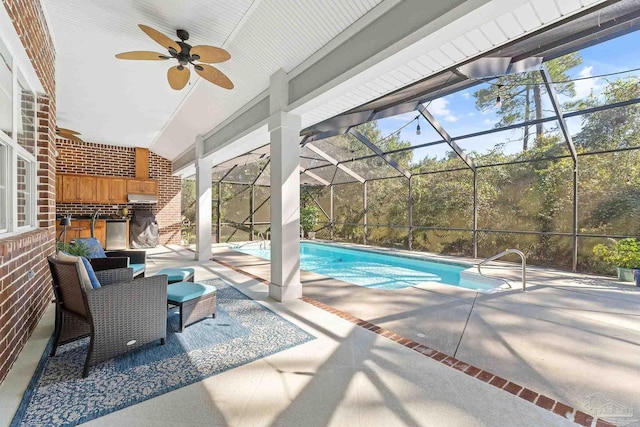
95, 248
95, 283
84, 276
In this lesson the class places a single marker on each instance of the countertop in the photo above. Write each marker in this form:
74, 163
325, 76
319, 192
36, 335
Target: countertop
84, 217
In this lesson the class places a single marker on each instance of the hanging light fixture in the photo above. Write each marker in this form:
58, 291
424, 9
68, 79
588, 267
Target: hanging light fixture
498, 99
418, 132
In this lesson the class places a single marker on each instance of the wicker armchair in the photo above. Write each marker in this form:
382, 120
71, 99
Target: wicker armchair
120, 316
108, 260
120, 259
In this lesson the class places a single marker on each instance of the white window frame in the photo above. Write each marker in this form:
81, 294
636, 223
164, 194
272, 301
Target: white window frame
4, 180
13, 151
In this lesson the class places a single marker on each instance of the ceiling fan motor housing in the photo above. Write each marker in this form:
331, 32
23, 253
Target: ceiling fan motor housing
184, 56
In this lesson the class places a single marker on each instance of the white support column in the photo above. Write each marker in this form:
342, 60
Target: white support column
284, 130
204, 209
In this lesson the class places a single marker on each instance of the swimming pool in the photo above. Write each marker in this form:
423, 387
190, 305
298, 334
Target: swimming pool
377, 270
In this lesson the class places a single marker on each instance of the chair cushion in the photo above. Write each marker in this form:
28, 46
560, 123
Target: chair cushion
186, 291
95, 283
84, 275
95, 248
176, 274
137, 268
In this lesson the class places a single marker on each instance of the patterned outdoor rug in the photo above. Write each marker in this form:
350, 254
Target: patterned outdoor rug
242, 332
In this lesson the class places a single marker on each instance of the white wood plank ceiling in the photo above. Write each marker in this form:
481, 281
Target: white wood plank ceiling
448, 47
129, 103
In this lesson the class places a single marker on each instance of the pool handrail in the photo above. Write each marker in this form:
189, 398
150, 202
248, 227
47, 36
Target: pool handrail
523, 258
264, 238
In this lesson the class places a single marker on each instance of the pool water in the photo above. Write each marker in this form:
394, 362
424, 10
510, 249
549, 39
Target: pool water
371, 269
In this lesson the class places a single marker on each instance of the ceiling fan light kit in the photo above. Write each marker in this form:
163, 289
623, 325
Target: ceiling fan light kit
185, 54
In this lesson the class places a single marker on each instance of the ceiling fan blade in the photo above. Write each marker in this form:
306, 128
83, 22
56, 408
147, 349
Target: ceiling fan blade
178, 78
214, 75
70, 137
142, 55
67, 131
210, 54
160, 38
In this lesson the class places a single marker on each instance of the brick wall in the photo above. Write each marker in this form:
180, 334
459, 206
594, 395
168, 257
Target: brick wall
25, 282
87, 158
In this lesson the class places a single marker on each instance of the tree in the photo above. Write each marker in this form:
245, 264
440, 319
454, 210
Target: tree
615, 127
521, 94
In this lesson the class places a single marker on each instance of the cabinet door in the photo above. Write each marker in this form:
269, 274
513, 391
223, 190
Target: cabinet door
134, 186
150, 187
77, 230
103, 190
70, 188
59, 188
118, 190
101, 232
87, 189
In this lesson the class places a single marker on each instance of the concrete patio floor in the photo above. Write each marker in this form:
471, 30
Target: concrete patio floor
568, 337
572, 337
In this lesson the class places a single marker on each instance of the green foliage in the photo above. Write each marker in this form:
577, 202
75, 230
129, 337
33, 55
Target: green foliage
524, 190
611, 128
309, 217
522, 93
623, 253
75, 248
189, 200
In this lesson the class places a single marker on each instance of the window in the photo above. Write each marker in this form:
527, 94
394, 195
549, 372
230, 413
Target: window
4, 177
25, 192
6, 92
26, 129
18, 130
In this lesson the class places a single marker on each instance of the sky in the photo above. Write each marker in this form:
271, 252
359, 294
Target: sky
459, 116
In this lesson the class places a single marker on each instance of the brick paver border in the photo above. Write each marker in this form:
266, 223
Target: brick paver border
559, 408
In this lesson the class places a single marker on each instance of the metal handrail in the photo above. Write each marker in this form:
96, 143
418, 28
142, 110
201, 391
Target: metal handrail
264, 238
523, 257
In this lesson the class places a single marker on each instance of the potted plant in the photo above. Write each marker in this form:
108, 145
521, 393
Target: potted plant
76, 248
623, 254
309, 219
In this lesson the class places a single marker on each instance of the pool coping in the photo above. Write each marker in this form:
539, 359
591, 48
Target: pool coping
538, 399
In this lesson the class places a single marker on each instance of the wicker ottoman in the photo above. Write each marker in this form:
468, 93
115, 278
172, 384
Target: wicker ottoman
175, 275
196, 301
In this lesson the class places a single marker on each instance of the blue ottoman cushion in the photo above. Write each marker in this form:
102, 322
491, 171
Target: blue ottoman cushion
137, 268
176, 274
186, 291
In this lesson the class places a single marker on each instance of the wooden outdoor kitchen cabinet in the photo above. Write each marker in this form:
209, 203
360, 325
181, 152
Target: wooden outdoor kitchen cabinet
81, 228
111, 190
78, 188
142, 186
100, 189
58, 188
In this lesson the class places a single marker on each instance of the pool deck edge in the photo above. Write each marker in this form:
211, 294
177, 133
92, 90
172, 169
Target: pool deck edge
538, 399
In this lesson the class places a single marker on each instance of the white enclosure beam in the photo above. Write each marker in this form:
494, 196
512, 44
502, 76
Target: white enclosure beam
334, 162
315, 177
203, 213
284, 132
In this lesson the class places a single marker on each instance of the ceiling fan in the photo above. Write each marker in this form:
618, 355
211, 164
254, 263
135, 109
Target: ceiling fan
186, 54
68, 134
